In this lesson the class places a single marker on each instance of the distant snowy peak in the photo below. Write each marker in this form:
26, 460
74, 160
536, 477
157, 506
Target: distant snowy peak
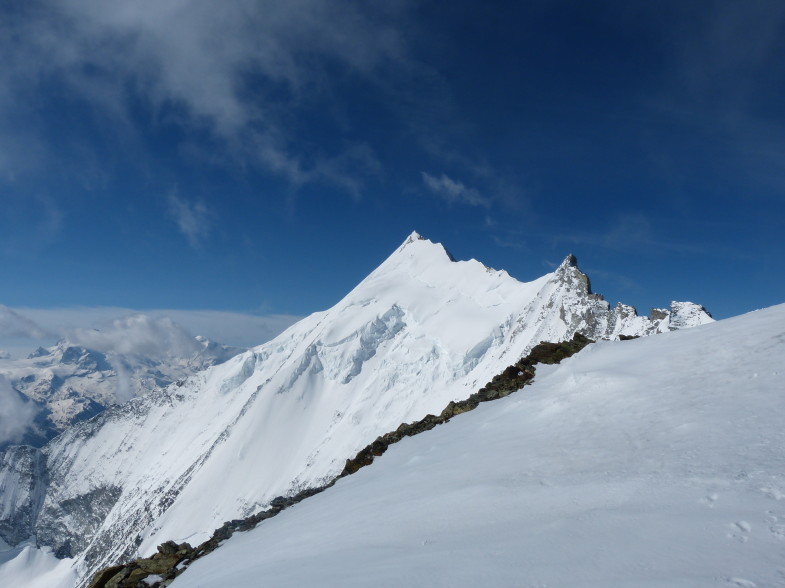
415, 252
688, 314
71, 383
416, 237
592, 315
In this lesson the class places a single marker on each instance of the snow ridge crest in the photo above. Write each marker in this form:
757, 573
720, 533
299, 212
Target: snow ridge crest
419, 241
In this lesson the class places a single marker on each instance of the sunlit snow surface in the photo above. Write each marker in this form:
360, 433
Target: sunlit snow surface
654, 462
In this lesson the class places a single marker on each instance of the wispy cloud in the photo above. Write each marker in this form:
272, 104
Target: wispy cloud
121, 333
720, 81
640, 233
454, 191
13, 324
104, 327
192, 218
238, 71
632, 231
138, 334
511, 240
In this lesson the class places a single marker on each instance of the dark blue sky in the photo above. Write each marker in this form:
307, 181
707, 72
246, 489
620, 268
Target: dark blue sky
263, 157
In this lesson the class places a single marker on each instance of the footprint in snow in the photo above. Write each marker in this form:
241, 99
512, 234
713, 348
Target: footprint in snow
774, 493
740, 531
776, 525
742, 583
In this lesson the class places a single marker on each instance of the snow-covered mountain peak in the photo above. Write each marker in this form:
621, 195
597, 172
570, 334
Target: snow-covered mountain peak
40, 352
568, 262
415, 246
688, 314
414, 236
420, 331
569, 276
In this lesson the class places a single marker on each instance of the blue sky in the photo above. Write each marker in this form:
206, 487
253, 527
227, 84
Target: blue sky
262, 157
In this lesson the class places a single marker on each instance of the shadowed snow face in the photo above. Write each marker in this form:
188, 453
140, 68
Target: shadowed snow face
16, 414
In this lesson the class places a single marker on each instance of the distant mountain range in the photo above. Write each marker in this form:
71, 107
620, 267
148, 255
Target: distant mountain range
176, 462
69, 383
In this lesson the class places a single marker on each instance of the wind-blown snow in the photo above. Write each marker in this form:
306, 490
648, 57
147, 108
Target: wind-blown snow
419, 331
655, 462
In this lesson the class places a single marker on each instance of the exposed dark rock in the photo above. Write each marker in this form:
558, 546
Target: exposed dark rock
24, 470
513, 378
132, 575
658, 314
169, 548
550, 353
91, 508
103, 576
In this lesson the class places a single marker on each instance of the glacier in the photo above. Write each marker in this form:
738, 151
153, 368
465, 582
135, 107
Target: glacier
420, 331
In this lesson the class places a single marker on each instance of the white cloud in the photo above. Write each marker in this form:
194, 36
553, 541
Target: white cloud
13, 324
454, 191
155, 338
16, 414
236, 69
138, 334
163, 335
231, 328
192, 218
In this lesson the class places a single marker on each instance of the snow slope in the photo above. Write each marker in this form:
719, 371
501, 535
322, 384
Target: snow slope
419, 331
658, 462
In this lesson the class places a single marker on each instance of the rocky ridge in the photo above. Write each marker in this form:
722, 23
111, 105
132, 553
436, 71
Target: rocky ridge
589, 313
